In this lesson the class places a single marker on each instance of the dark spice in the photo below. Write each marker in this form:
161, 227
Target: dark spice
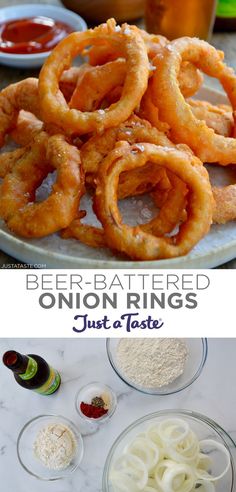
97, 401
92, 411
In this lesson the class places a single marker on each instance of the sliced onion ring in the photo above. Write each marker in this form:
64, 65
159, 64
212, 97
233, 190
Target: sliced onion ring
121, 482
205, 486
168, 426
217, 445
132, 465
145, 449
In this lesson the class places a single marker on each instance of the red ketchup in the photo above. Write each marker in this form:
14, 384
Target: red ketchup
32, 35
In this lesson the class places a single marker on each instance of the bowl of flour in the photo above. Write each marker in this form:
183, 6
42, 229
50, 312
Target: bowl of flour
158, 366
50, 447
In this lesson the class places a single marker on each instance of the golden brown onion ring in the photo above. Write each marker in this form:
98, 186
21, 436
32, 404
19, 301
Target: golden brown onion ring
9, 159
22, 95
95, 83
171, 210
136, 243
69, 79
225, 204
104, 53
17, 192
173, 108
52, 103
90, 235
134, 130
217, 117
26, 129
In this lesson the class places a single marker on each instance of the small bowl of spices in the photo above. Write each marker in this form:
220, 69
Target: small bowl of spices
95, 402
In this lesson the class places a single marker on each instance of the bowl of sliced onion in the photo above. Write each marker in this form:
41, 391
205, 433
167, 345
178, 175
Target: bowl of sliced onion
171, 451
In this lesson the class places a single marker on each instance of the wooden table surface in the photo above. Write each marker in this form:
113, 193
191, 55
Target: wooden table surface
225, 42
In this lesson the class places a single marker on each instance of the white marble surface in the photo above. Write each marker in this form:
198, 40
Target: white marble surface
82, 361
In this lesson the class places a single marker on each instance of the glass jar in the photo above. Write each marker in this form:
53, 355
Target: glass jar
177, 18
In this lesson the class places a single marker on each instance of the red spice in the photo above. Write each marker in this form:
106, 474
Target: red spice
91, 411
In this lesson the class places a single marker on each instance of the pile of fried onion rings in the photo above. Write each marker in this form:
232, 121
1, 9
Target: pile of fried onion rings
122, 124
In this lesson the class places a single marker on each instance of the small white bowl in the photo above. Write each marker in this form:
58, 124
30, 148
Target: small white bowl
36, 60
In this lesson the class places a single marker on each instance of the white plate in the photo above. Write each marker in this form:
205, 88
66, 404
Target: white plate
36, 60
216, 248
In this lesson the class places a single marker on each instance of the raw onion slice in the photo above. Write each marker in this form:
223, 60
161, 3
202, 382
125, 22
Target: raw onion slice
173, 431
153, 434
134, 468
204, 486
146, 450
204, 462
174, 477
210, 443
185, 452
186, 477
121, 482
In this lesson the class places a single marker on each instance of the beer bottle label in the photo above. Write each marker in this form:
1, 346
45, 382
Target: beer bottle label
51, 385
31, 370
226, 8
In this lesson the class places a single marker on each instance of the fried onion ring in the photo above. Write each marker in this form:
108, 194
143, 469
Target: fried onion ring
27, 127
101, 54
69, 80
53, 105
225, 204
136, 243
90, 235
173, 108
95, 83
171, 210
217, 117
139, 184
149, 111
22, 95
190, 79
8, 160
134, 130
17, 191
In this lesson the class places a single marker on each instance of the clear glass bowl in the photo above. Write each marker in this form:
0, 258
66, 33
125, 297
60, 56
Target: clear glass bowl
86, 393
197, 348
204, 427
25, 448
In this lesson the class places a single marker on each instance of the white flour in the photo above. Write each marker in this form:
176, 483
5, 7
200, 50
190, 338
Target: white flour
55, 446
152, 363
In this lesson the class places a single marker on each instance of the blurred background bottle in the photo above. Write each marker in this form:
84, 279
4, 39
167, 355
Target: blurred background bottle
176, 18
225, 15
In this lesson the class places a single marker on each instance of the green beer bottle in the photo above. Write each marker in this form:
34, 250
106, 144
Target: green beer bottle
225, 16
32, 372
